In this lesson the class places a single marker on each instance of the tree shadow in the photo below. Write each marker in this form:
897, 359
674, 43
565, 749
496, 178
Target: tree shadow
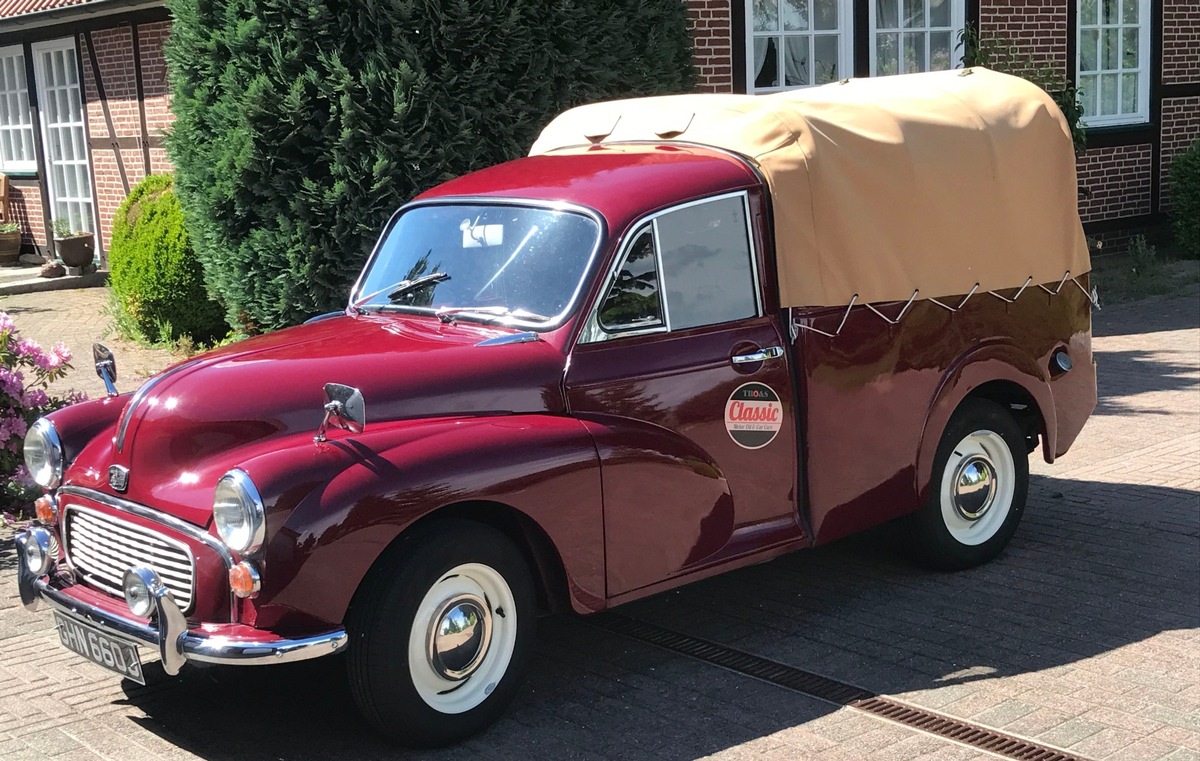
1072, 585
1130, 373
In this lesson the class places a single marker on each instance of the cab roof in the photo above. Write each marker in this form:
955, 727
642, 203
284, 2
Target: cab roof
620, 182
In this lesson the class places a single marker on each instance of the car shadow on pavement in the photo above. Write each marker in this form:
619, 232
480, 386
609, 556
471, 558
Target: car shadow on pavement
1095, 567
1147, 317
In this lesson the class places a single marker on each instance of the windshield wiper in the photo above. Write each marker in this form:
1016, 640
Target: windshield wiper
404, 286
447, 314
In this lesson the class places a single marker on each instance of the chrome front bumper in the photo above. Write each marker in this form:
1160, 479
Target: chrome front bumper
167, 630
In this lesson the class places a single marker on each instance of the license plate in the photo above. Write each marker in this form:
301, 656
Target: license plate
100, 648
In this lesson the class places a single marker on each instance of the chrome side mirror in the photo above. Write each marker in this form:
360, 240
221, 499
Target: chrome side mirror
106, 367
344, 408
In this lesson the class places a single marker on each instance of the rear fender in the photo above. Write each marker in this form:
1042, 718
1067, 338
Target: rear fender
986, 363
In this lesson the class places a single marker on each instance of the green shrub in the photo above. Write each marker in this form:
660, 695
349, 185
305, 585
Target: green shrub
303, 124
1185, 200
157, 282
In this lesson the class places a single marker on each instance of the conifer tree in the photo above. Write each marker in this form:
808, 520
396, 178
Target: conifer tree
303, 124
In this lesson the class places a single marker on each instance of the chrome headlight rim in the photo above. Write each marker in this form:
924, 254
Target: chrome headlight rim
248, 534
42, 434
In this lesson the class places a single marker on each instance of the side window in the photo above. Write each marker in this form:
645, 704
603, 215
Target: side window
708, 273
634, 301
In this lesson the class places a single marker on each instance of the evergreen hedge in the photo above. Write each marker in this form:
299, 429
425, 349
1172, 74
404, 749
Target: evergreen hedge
1185, 199
301, 126
156, 280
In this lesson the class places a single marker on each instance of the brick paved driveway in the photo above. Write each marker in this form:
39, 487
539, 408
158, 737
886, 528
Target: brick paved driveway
1084, 635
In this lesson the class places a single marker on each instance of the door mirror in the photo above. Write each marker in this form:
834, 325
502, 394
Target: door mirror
106, 367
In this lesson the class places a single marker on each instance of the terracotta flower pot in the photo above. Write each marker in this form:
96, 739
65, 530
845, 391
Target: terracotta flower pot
76, 251
10, 248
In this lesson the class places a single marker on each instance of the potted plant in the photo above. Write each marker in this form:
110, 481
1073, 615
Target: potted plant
10, 243
75, 247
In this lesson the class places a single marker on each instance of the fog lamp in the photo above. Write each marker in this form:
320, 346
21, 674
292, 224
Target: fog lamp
244, 579
137, 594
46, 509
39, 551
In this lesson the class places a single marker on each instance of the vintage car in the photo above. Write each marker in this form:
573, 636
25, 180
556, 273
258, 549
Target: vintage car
686, 334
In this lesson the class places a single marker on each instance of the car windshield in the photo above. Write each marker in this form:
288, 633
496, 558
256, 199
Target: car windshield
495, 263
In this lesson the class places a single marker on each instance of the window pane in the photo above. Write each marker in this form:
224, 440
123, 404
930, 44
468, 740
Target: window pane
939, 51
914, 13
766, 16
1129, 12
633, 301
1108, 11
1087, 89
1087, 12
1108, 94
887, 14
1129, 93
796, 70
1089, 44
1108, 48
1129, 47
887, 54
825, 14
6, 146
766, 62
914, 52
795, 15
825, 58
939, 13
706, 264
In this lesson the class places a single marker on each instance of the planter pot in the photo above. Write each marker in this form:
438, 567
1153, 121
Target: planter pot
76, 251
10, 248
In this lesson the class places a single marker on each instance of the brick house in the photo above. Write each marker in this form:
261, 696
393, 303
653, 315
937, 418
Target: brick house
84, 101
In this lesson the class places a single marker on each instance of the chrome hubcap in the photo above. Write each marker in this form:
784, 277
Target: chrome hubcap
974, 487
459, 635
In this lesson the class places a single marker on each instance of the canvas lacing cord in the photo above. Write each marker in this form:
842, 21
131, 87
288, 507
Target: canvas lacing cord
796, 327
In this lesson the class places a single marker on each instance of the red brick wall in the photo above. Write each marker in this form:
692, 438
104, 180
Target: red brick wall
1180, 128
709, 22
114, 54
1118, 181
1035, 29
1181, 42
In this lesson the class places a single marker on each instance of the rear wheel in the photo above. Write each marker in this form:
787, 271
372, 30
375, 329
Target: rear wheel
441, 634
978, 490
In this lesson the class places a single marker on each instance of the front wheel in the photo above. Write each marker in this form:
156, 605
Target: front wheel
978, 490
441, 633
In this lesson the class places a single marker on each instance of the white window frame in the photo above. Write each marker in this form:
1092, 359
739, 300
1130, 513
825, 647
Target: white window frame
66, 44
844, 32
21, 98
1142, 115
958, 14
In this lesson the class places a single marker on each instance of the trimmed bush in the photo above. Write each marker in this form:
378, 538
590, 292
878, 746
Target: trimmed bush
157, 281
302, 125
1185, 200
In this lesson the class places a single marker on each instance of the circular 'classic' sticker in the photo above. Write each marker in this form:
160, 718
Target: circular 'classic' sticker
753, 415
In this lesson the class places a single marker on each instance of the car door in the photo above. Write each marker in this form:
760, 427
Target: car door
686, 386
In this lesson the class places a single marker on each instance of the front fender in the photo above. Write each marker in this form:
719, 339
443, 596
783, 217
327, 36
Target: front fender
352, 500
991, 361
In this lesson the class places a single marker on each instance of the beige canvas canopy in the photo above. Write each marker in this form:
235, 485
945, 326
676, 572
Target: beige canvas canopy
887, 185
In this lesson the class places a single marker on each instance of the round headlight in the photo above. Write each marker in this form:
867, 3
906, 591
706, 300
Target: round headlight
238, 512
44, 454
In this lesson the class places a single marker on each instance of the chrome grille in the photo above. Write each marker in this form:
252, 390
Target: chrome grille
101, 548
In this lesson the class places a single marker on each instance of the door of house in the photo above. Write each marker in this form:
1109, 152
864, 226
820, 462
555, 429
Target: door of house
60, 106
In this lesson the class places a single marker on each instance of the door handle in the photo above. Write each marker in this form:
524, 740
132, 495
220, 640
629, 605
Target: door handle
771, 352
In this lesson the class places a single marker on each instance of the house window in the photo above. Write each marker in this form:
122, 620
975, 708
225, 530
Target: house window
1114, 61
797, 43
914, 35
16, 126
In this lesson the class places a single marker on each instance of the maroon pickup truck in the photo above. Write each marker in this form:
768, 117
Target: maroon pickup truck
688, 334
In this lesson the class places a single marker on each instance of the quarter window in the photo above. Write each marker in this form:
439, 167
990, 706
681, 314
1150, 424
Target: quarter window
16, 126
908, 36
633, 302
1114, 61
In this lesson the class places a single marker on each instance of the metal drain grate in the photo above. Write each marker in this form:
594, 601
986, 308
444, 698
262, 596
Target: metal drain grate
831, 690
